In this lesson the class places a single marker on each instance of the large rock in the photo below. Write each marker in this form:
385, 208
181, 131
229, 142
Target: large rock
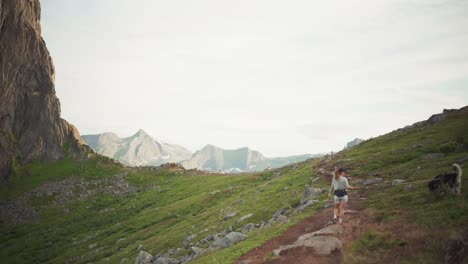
310, 193
228, 240
323, 245
322, 241
248, 228
30, 123
244, 217
197, 251
229, 215
189, 239
397, 182
372, 181
143, 258
303, 206
282, 211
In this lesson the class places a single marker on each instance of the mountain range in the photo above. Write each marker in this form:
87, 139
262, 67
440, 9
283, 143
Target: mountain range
141, 149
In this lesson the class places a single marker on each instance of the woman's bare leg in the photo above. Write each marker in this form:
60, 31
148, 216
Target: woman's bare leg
335, 210
342, 209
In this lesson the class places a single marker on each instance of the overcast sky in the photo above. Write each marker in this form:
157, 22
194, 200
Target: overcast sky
282, 77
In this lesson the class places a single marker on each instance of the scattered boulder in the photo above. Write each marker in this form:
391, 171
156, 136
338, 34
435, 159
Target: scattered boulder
197, 251
248, 228
143, 258
229, 215
372, 181
189, 239
397, 182
301, 207
282, 219
310, 193
244, 217
92, 246
140, 247
228, 240
282, 211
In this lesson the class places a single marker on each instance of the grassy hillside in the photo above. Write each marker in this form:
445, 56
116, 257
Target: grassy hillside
108, 220
165, 208
409, 211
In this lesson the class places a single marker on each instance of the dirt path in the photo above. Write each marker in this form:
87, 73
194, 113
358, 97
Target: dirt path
350, 231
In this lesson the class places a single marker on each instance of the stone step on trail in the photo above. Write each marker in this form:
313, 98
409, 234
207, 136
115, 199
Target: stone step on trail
323, 241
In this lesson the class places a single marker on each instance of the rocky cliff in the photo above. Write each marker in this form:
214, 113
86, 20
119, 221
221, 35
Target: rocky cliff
30, 123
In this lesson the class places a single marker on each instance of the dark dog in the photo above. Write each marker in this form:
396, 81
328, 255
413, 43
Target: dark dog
450, 180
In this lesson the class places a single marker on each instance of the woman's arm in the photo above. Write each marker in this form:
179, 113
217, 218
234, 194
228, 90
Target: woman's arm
331, 189
349, 186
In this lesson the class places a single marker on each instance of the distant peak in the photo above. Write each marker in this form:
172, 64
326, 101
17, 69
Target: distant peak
112, 134
141, 132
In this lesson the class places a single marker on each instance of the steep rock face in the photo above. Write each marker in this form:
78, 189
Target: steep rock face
30, 123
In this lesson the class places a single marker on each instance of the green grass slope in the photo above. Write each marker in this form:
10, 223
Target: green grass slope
166, 206
415, 154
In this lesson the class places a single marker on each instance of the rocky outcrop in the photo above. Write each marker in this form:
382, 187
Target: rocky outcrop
143, 258
30, 123
354, 143
228, 240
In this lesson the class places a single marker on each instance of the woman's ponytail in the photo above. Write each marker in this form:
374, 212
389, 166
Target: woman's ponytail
336, 173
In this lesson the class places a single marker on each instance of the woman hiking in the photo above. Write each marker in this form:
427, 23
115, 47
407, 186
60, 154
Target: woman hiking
339, 185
